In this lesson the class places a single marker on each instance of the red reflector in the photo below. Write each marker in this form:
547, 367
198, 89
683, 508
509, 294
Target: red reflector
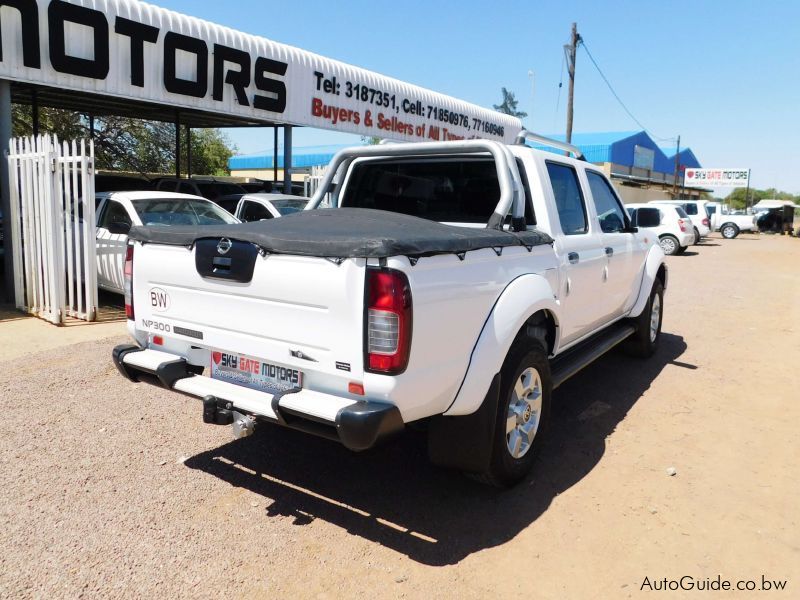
158, 340
355, 388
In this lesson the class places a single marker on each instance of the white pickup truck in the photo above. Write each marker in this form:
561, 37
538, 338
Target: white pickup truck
451, 285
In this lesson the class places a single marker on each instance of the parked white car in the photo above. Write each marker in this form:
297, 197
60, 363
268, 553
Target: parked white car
452, 285
262, 206
675, 229
117, 212
696, 209
727, 223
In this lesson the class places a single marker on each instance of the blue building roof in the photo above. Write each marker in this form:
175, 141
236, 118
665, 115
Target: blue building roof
598, 147
306, 156
618, 147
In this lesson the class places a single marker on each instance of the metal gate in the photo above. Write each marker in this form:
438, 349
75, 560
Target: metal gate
53, 234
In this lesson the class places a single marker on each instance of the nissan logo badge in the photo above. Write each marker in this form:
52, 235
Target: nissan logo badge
224, 245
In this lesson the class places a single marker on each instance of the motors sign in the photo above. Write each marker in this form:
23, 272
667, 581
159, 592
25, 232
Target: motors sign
132, 50
717, 178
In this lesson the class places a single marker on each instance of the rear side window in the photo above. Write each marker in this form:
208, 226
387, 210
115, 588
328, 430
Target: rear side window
681, 213
114, 213
568, 197
254, 211
609, 210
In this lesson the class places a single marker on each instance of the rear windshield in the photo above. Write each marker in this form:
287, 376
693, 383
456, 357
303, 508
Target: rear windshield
181, 212
691, 209
462, 191
286, 207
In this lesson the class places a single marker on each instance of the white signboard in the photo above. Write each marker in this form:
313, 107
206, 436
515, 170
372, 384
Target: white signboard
717, 178
129, 49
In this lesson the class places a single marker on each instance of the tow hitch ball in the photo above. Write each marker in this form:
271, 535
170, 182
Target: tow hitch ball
220, 412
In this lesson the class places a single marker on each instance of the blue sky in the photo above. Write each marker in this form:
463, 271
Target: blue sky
724, 75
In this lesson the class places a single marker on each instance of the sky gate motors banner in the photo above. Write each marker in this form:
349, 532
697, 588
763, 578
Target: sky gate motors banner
129, 49
717, 178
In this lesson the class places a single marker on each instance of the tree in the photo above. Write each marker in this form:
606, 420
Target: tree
736, 198
133, 145
509, 105
370, 140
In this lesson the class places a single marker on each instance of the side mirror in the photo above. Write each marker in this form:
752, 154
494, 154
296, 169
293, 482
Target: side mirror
119, 228
648, 217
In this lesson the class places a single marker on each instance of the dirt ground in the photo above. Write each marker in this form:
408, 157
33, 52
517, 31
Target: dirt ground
113, 489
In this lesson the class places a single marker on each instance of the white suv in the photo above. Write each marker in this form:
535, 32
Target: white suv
696, 209
675, 229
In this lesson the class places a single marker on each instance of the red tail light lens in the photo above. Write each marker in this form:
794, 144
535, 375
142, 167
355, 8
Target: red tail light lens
388, 320
128, 272
706, 222
682, 225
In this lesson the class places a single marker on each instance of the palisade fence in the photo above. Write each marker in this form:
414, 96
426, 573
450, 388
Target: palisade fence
52, 219
312, 181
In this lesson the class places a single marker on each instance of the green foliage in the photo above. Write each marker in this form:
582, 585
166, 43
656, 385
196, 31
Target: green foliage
737, 197
370, 140
132, 145
509, 105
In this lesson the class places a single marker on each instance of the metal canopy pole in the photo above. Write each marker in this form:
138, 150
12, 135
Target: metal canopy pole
177, 144
275, 156
5, 189
188, 151
287, 159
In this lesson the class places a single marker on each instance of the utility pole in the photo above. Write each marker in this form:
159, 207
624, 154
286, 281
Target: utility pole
677, 168
571, 51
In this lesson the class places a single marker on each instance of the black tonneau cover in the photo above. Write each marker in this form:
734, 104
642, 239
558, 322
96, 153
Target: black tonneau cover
347, 233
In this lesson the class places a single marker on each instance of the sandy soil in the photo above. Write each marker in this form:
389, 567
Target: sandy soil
109, 488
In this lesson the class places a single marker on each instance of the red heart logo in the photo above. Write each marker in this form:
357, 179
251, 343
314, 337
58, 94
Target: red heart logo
216, 356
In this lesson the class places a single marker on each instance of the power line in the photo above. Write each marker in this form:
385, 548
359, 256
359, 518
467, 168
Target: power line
621, 103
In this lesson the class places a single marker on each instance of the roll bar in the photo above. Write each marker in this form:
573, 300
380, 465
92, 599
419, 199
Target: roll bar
510, 195
528, 136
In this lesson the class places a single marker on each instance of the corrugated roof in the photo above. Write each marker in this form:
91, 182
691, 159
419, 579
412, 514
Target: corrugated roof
303, 156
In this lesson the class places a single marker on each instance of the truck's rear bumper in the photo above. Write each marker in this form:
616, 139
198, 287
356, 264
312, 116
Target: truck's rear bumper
356, 424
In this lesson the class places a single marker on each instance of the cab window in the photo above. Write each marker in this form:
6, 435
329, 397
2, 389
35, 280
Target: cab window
568, 197
609, 210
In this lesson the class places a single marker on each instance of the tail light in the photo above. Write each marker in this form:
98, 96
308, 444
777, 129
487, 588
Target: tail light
706, 222
682, 225
128, 272
388, 321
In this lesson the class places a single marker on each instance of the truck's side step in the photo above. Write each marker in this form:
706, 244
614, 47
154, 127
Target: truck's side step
573, 360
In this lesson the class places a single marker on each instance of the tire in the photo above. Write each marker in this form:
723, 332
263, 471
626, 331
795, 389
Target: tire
669, 244
696, 236
682, 249
644, 341
514, 450
729, 231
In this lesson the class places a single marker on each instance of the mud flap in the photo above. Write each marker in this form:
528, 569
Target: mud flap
465, 442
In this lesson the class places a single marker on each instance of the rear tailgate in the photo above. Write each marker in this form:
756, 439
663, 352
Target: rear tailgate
300, 312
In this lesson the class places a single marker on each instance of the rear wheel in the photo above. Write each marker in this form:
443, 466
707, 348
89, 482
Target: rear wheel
644, 341
696, 236
669, 244
522, 413
729, 231
682, 249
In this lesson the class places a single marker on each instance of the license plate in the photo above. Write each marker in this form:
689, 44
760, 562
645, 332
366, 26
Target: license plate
253, 372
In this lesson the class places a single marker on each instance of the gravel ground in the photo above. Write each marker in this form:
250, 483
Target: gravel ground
113, 489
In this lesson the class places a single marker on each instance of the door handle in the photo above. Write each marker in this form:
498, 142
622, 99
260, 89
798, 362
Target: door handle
573, 258
609, 251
